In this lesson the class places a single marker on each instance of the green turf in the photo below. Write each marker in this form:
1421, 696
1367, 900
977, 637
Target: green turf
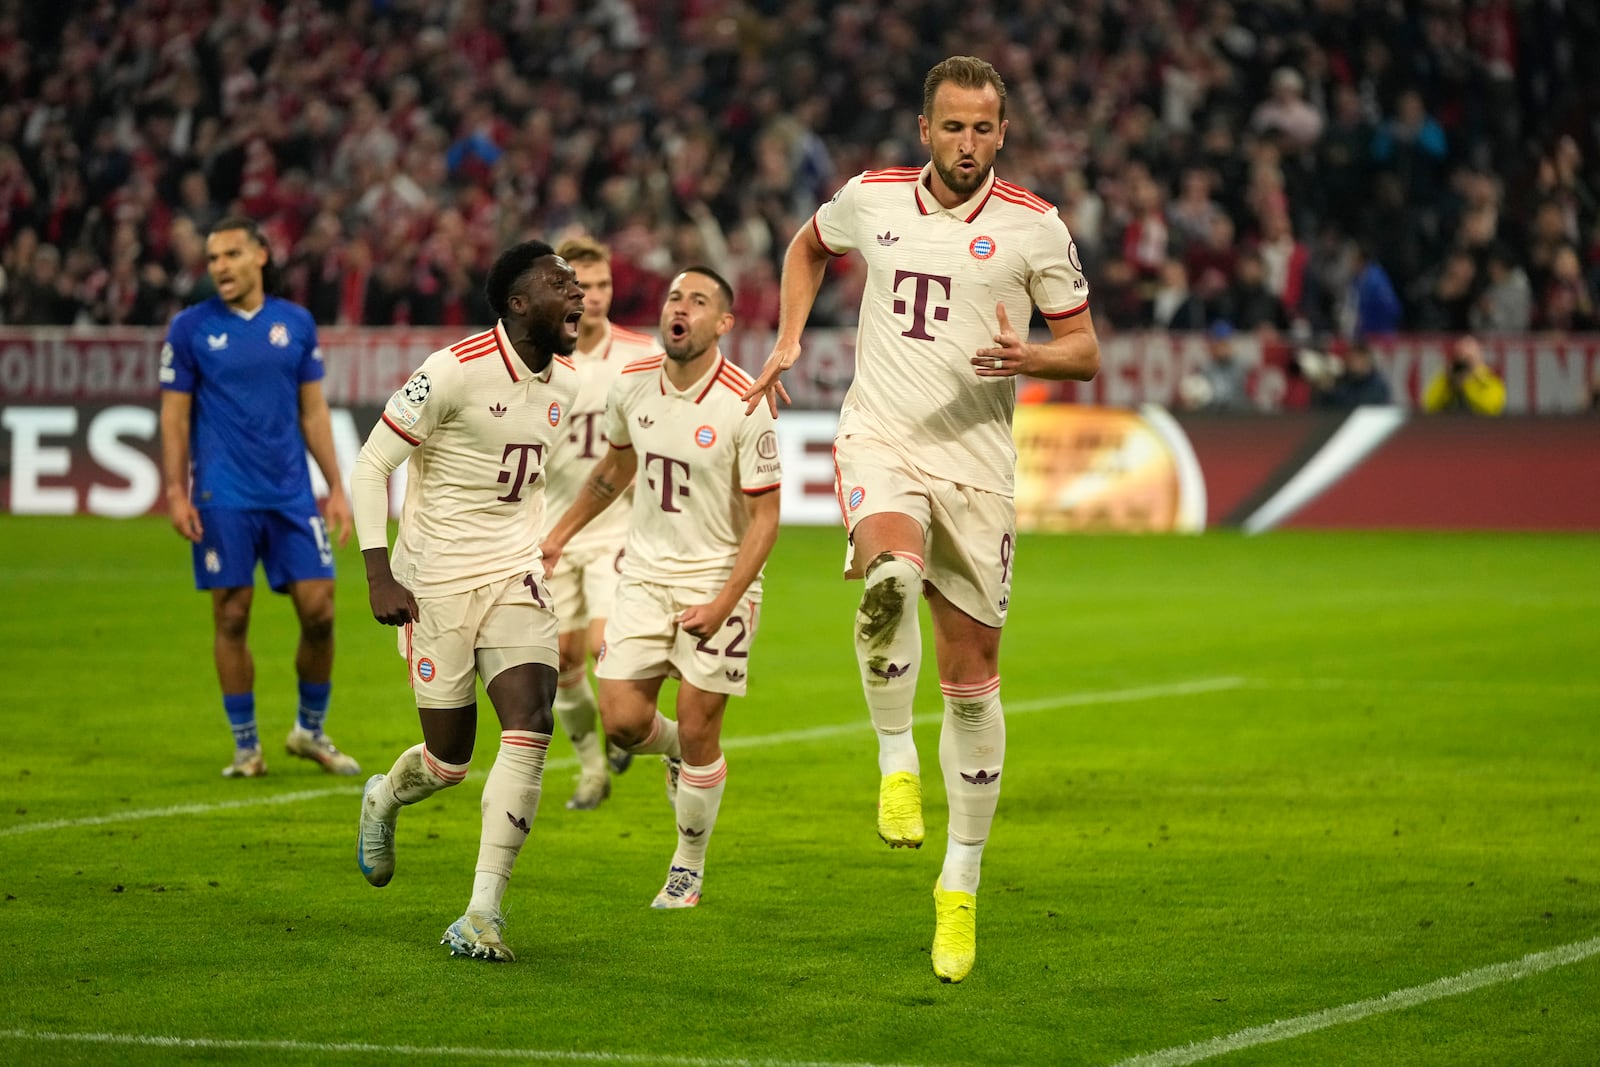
1385, 772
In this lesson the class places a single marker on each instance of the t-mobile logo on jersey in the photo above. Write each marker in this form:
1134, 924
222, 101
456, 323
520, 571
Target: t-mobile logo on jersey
584, 432
919, 311
674, 473
505, 477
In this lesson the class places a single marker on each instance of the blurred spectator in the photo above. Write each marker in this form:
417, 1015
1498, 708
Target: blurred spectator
1248, 304
1466, 385
1172, 305
1448, 301
1342, 384
1506, 303
1372, 306
1222, 384
1566, 304
1287, 112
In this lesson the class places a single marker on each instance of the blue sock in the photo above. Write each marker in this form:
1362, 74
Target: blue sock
241, 709
314, 705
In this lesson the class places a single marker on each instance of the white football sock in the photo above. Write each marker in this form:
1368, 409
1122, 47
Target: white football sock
972, 750
888, 641
576, 712
699, 798
416, 775
510, 802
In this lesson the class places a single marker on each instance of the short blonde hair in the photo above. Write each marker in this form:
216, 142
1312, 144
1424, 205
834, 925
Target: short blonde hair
968, 72
583, 250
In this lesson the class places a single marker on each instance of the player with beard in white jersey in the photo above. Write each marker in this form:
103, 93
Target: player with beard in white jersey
475, 425
924, 459
704, 520
585, 581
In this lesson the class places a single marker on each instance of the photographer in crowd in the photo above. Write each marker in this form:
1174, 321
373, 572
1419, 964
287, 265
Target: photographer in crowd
1467, 384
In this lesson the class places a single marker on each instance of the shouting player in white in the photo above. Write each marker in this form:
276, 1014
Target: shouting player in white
924, 456
477, 423
585, 580
705, 518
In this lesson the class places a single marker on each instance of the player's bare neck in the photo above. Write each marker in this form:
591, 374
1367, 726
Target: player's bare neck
683, 375
591, 337
248, 305
946, 197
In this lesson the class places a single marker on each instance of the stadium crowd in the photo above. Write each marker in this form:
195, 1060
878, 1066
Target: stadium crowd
1309, 166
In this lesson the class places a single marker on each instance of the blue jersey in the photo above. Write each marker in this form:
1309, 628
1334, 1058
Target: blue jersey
244, 373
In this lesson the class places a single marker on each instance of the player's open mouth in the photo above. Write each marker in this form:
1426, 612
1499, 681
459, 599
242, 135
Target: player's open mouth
571, 322
678, 331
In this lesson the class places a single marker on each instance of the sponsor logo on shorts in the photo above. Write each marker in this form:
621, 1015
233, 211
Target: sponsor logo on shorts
705, 437
554, 413
734, 674
602, 653
213, 561
981, 247
981, 778
425, 669
278, 336
857, 495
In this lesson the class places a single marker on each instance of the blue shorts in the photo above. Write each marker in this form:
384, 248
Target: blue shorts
292, 546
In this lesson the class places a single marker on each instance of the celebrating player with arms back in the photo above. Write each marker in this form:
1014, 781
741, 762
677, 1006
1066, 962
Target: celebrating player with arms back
924, 456
705, 518
477, 423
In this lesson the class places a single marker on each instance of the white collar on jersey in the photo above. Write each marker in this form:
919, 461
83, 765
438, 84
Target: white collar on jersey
966, 211
698, 389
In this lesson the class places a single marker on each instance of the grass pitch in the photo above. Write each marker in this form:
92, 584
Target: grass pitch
1247, 781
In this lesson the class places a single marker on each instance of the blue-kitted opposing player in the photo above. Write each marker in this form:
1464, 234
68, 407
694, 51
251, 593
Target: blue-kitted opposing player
241, 403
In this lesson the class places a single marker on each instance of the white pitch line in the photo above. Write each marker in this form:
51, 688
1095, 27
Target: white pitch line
413, 1051
1283, 1030
815, 733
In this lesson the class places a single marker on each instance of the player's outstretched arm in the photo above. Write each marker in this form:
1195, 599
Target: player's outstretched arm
1072, 353
316, 426
392, 603
608, 479
804, 264
703, 620
175, 411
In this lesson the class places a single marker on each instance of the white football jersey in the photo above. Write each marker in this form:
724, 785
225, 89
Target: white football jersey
934, 276
482, 427
579, 449
698, 455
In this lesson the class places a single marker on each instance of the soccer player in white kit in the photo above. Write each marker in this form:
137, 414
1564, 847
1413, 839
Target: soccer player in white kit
924, 460
476, 422
585, 580
704, 520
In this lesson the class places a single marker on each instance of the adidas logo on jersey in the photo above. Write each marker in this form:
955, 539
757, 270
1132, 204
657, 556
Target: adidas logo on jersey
498, 411
646, 421
886, 238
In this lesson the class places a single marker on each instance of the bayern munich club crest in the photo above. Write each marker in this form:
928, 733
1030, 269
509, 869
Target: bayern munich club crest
981, 247
705, 437
554, 413
425, 669
857, 495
